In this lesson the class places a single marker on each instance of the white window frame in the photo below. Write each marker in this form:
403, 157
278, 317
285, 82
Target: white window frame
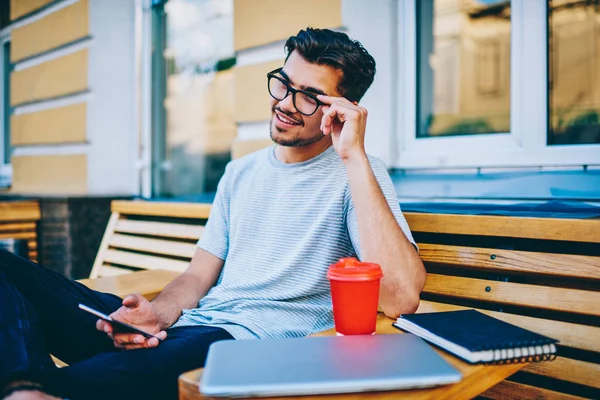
525, 144
5, 165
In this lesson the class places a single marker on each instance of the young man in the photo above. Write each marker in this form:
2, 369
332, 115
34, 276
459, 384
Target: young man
281, 216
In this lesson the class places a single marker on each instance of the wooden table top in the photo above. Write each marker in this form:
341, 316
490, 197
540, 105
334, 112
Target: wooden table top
477, 378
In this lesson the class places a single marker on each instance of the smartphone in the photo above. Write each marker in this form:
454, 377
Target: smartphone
118, 326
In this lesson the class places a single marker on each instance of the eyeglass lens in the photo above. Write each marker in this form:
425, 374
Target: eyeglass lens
279, 90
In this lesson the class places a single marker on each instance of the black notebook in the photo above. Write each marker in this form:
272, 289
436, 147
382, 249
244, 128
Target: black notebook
479, 338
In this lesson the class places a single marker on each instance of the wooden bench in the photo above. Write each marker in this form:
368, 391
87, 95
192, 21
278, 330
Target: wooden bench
539, 273
145, 246
18, 220
149, 235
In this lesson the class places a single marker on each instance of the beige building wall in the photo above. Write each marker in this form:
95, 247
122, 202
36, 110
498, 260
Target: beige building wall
36, 82
253, 42
72, 93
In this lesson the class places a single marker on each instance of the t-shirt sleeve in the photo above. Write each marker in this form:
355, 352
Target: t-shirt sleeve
387, 187
215, 238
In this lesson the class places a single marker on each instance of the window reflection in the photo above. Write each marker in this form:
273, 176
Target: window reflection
199, 95
463, 67
574, 71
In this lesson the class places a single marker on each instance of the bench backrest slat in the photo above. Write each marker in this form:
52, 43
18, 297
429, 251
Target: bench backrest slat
581, 372
162, 209
143, 261
537, 273
166, 229
155, 246
518, 294
150, 235
565, 265
575, 230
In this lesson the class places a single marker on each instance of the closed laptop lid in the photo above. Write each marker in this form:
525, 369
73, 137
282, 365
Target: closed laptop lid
322, 365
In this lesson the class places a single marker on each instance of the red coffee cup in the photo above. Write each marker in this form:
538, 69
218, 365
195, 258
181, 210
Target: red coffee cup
355, 296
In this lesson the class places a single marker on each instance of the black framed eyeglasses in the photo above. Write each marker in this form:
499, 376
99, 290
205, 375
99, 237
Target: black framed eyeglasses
305, 102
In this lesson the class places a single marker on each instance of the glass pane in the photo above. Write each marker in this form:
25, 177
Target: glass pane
198, 96
574, 71
463, 67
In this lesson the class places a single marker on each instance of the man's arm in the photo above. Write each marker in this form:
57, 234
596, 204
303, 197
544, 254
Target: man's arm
381, 238
155, 317
383, 242
186, 290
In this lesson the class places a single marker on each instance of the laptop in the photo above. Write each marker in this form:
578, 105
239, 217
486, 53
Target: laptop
323, 365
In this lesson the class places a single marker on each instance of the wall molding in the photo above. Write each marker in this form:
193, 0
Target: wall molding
40, 13
51, 149
55, 53
56, 102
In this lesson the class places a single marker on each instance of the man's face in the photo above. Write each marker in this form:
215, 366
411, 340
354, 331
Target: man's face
288, 126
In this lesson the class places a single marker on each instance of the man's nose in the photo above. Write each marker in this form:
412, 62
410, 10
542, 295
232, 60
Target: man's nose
287, 104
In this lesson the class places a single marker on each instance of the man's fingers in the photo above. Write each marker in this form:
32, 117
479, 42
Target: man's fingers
332, 99
161, 335
126, 338
337, 111
103, 326
152, 342
132, 300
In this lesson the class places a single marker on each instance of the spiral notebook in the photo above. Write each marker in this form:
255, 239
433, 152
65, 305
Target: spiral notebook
479, 338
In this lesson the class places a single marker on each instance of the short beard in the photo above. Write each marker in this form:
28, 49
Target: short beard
297, 142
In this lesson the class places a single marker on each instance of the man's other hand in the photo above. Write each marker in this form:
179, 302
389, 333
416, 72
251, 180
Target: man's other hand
140, 313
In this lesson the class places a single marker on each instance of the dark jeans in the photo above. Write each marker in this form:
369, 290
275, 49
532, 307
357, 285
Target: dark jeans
39, 315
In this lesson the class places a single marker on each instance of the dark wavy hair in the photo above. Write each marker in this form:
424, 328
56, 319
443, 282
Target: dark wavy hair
336, 49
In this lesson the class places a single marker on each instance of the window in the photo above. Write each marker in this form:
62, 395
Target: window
464, 67
574, 78
192, 119
498, 83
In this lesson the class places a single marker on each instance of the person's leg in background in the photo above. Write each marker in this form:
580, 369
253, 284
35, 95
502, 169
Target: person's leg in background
39, 315
137, 374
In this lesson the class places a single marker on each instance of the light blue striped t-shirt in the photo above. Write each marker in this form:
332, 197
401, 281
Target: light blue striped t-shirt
279, 227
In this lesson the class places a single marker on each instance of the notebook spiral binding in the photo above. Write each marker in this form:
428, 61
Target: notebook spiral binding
524, 354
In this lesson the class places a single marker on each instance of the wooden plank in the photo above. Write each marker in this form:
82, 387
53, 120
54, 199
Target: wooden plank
143, 261
108, 232
582, 372
20, 8
58, 363
58, 77
59, 28
32, 245
519, 391
567, 265
544, 297
162, 209
52, 126
157, 246
166, 229
64, 174
573, 230
147, 283
109, 270
18, 235
569, 334
20, 211
250, 16
476, 378
17, 227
